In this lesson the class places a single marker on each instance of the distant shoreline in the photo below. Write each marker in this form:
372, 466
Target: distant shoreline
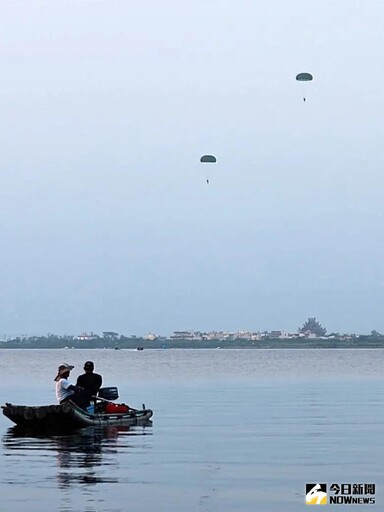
201, 348
55, 342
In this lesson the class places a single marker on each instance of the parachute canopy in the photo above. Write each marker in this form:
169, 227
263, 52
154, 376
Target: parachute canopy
208, 159
304, 77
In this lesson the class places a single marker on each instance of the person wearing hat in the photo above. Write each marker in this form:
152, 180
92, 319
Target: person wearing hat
89, 380
65, 390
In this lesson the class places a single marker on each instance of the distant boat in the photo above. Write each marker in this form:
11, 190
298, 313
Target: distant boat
140, 348
117, 348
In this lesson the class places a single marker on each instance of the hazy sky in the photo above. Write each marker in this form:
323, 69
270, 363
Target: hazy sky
107, 222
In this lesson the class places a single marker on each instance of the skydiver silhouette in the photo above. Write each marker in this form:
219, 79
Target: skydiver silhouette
304, 99
208, 181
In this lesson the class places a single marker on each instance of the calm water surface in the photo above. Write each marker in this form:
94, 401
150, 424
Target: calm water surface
233, 430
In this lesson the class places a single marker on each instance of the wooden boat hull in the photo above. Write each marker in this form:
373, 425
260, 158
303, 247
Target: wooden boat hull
69, 416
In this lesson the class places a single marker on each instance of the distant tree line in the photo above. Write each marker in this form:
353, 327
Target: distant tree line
375, 339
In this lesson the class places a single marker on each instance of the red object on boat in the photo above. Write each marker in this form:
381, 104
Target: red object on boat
114, 408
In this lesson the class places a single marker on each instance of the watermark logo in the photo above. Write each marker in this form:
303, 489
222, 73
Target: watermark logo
353, 494
340, 494
316, 494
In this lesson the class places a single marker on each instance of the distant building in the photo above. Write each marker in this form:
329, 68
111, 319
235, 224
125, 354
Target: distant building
314, 327
151, 337
86, 337
214, 335
186, 335
243, 335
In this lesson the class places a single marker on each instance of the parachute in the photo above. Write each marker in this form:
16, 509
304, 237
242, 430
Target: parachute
304, 77
208, 159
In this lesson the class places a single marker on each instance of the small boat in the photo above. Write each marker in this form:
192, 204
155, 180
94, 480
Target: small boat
68, 416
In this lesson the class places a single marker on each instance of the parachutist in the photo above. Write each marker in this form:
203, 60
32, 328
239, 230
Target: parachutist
208, 159
304, 77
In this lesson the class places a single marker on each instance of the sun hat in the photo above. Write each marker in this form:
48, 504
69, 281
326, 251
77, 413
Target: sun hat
63, 368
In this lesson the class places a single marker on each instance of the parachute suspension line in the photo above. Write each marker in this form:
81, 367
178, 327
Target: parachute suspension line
208, 159
304, 77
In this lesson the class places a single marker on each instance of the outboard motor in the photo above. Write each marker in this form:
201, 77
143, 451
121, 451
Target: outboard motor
111, 393
108, 394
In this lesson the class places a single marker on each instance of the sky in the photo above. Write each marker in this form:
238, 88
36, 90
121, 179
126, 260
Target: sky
107, 221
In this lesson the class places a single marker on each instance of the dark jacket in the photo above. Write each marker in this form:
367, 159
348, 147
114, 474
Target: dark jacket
90, 381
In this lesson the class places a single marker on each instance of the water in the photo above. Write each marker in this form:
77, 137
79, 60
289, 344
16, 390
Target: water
232, 430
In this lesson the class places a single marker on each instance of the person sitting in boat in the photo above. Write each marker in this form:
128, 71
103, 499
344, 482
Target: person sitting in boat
66, 391
90, 381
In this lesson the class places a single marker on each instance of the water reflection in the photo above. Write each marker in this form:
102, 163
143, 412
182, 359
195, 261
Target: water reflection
88, 457
82, 452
